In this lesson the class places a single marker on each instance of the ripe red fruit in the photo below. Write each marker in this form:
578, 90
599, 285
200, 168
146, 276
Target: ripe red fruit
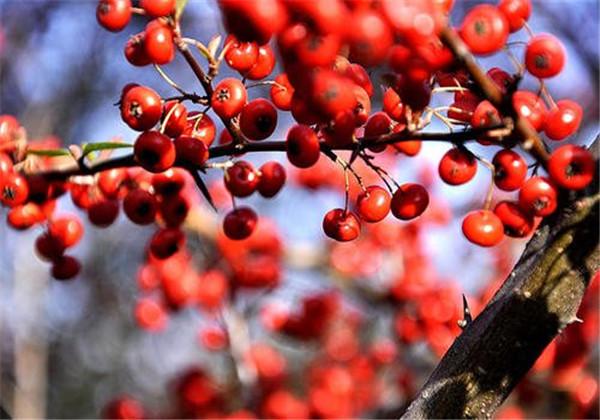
409, 148
48, 247
393, 106
168, 183
510, 170
563, 120
68, 230
114, 15
545, 56
123, 408
174, 210
265, 63
255, 20
258, 119
13, 189
340, 131
213, 290
141, 107
175, 115
158, 43
140, 206
302, 146
103, 213
25, 216
341, 225
110, 182
154, 151
531, 107
158, 8
201, 128
571, 167
240, 223
150, 314
272, 179
228, 98
485, 115
331, 93
240, 56
457, 166
281, 92
379, 124
517, 12
6, 164
370, 38
373, 205
538, 196
409, 201
65, 267
191, 150
241, 179
483, 228
135, 52
484, 29
166, 242
517, 223
502, 79
8, 128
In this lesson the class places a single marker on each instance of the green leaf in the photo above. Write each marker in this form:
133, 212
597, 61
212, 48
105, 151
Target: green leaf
180, 5
49, 152
94, 147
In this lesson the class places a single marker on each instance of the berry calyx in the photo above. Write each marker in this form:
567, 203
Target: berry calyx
544, 56
141, 107
228, 98
484, 29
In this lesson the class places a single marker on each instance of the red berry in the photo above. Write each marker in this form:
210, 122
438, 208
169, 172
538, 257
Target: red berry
571, 167
545, 56
340, 131
531, 107
25, 216
281, 93
409, 201
510, 170
502, 79
141, 107
168, 183
103, 213
9, 125
158, 43
191, 150
538, 196
409, 148
240, 223
241, 179
517, 12
272, 179
317, 50
379, 124
114, 15
484, 29
158, 8
154, 151
68, 230
341, 225
457, 166
201, 127
13, 189
393, 106
517, 223
370, 38
483, 227
331, 93
302, 146
110, 182
265, 63
65, 267
563, 120
135, 52
6, 164
373, 205
150, 314
123, 408
253, 21
228, 98
258, 119
48, 247
485, 116
241, 56
174, 210
166, 242
175, 115
140, 206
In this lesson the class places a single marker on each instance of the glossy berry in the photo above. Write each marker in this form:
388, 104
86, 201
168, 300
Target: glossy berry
168, 183
103, 213
240, 223
8, 128
150, 314
571, 167
282, 92
110, 182
158, 43
154, 151
140, 206
253, 21
485, 115
563, 120
379, 124
6, 164
135, 52
409, 201
272, 179
393, 106
457, 167
175, 115
114, 15
409, 148
141, 107
340, 131
373, 205
341, 225
484, 29
158, 8
483, 228
370, 38
258, 119
13, 189
302, 146
25, 216
65, 268
265, 63
166, 242
545, 56
241, 179
531, 107
201, 127
228, 98
538, 196
517, 223
241, 56
174, 210
510, 170
68, 230
517, 12
48, 247
190, 150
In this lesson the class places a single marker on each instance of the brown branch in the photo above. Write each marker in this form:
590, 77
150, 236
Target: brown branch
537, 301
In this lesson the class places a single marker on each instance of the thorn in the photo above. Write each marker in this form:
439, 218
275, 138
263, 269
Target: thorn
202, 187
467, 318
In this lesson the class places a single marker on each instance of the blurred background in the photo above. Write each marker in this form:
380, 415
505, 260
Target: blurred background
76, 344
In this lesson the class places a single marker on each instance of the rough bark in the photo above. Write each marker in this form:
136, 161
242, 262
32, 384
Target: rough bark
537, 301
